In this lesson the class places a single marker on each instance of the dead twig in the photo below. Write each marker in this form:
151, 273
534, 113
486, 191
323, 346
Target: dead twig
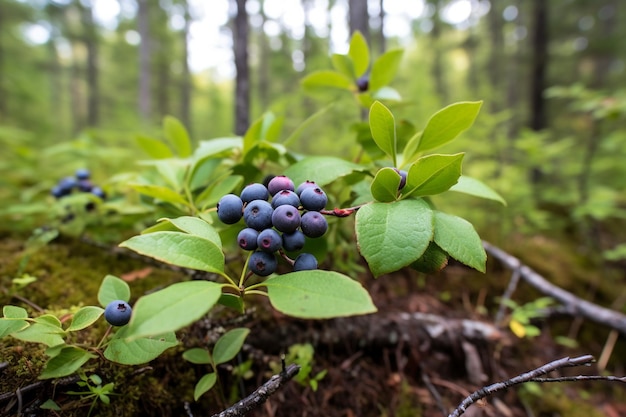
261, 394
535, 376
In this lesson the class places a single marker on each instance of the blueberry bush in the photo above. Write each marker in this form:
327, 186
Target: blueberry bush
261, 220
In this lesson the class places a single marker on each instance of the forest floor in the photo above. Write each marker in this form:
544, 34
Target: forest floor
412, 358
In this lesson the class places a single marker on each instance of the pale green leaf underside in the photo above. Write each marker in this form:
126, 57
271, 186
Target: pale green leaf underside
458, 237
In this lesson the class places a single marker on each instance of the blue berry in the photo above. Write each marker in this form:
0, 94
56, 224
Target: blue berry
269, 240
306, 184
229, 209
403, 175
285, 197
313, 224
305, 262
313, 199
99, 192
85, 186
247, 239
67, 184
258, 215
117, 313
254, 191
293, 242
262, 263
82, 174
58, 192
279, 183
363, 83
286, 218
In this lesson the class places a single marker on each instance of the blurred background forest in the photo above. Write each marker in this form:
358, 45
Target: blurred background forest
79, 79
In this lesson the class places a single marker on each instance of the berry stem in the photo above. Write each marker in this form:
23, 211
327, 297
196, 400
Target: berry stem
256, 292
285, 257
342, 212
106, 334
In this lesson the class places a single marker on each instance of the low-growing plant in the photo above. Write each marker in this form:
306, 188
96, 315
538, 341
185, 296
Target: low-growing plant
272, 238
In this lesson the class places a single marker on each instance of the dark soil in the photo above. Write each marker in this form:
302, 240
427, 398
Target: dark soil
379, 365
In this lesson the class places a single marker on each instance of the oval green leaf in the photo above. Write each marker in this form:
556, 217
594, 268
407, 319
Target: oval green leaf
128, 351
198, 356
172, 308
322, 80
458, 237
85, 317
111, 289
385, 68
153, 147
359, 53
68, 361
477, 188
433, 174
445, 125
176, 133
196, 227
229, 345
205, 384
385, 185
179, 249
160, 193
321, 169
14, 312
391, 236
318, 294
383, 128
343, 64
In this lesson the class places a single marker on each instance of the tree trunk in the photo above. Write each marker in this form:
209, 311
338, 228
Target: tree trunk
145, 52
185, 90
382, 41
242, 79
358, 18
91, 45
539, 65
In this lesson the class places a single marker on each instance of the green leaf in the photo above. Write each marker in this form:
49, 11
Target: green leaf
111, 289
232, 301
322, 80
44, 333
68, 361
196, 227
205, 384
129, 351
198, 356
8, 326
302, 127
85, 317
383, 127
433, 174
219, 188
385, 185
14, 312
50, 320
179, 249
153, 147
160, 193
448, 123
385, 68
391, 236
458, 237
229, 344
359, 53
176, 133
50, 405
433, 260
253, 135
343, 64
318, 294
172, 308
387, 94
477, 188
321, 169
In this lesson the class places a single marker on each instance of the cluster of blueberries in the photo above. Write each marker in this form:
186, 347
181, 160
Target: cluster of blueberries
276, 224
80, 181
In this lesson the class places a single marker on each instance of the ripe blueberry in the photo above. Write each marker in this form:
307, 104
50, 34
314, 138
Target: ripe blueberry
313, 199
286, 218
247, 239
117, 313
403, 175
279, 183
67, 184
258, 215
269, 240
285, 197
254, 191
313, 224
306, 184
58, 192
363, 83
82, 174
98, 192
229, 209
85, 185
305, 262
262, 263
293, 241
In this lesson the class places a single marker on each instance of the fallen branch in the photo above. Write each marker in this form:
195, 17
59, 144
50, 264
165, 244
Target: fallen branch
535, 376
261, 394
573, 304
